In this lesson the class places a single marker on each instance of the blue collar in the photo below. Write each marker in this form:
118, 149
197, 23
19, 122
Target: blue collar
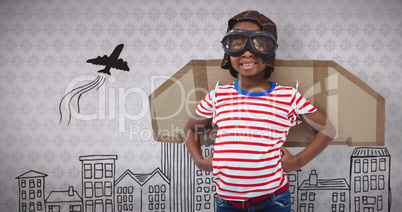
246, 93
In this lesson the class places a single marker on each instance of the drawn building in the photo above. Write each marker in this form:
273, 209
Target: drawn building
314, 190
31, 191
294, 188
64, 201
370, 179
205, 187
179, 168
98, 176
142, 192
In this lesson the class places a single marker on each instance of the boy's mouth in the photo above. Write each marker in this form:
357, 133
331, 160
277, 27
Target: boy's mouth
248, 64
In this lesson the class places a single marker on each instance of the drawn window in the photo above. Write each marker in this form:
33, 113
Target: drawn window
312, 196
150, 198
24, 207
333, 207
109, 206
199, 173
310, 207
39, 206
108, 170
157, 198
379, 203
381, 182
304, 196
39, 183
343, 197
163, 188
163, 197
98, 170
358, 184
119, 190
119, 200
130, 198
124, 190
156, 188
151, 206
23, 183
357, 166
130, 189
24, 194
292, 178
373, 182
382, 164
89, 205
365, 183
357, 204
108, 189
151, 189
88, 189
39, 193
292, 189
31, 183
365, 165
75, 208
303, 207
87, 171
31, 206
373, 165
335, 197
341, 208
32, 194
98, 189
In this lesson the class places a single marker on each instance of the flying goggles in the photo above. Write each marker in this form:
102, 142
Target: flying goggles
262, 44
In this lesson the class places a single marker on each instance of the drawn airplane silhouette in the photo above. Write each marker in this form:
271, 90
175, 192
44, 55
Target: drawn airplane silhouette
111, 61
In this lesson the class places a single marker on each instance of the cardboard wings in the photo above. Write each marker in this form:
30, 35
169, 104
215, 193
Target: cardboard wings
355, 109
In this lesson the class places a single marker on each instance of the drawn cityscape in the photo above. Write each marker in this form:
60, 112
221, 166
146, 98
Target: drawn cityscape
179, 186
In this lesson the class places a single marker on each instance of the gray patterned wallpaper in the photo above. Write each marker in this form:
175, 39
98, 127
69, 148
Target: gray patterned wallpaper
44, 45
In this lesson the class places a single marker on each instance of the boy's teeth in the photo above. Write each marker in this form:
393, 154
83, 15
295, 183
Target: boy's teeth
248, 64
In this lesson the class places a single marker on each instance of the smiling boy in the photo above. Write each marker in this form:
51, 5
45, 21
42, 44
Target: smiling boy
254, 116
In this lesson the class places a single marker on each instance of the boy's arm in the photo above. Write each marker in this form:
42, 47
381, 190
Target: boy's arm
194, 125
324, 134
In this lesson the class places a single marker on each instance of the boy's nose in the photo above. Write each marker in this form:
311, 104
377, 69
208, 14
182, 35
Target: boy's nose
247, 53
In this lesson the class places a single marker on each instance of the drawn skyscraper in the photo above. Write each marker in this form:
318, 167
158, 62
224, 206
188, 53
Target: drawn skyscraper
370, 179
179, 168
98, 177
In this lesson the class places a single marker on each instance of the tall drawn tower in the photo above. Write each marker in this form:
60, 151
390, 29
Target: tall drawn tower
98, 176
370, 179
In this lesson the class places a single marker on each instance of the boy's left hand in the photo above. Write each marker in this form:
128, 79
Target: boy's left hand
289, 161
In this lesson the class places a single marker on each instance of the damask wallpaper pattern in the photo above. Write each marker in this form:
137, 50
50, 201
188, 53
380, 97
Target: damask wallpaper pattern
44, 46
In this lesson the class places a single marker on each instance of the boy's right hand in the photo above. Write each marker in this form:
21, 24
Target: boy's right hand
206, 163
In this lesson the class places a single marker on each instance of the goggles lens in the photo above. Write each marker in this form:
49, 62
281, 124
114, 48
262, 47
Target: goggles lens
261, 43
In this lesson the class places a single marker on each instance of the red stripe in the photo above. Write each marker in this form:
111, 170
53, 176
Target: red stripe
253, 104
208, 114
247, 168
246, 135
252, 98
251, 111
243, 143
299, 99
246, 177
252, 119
241, 151
251, 128
305, 104
248, 185
247, 160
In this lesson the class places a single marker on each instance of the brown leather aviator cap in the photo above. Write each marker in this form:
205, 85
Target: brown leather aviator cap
265, 24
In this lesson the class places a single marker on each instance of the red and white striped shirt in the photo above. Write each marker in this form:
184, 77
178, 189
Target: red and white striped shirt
251, 129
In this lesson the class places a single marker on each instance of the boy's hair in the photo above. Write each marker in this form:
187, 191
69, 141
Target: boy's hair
265, 24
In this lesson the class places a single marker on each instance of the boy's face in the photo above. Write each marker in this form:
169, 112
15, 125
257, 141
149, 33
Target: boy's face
247, 64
